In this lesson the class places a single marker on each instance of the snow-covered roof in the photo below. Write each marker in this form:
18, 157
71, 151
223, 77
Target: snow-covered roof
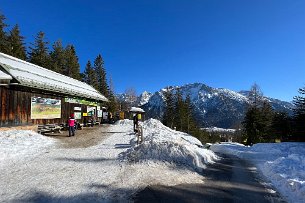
4, 76
136, 109
34, 76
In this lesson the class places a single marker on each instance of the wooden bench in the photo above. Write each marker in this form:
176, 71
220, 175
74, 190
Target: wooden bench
49, 128
91, 124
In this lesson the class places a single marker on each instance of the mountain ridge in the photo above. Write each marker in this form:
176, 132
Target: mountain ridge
213, 107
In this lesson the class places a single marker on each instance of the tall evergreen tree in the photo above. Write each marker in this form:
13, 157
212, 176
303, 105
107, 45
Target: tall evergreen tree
281, 128
299, 114
90, 75
39, 51
266, 119
72, 67
58, 59
169, 112
190, 122
257, 123
299, 102
3, 35
101, 75
113, 104
255, 96
16, 44
180, 115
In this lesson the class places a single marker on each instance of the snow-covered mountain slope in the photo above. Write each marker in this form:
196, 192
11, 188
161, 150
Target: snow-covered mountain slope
139, 101
143, 98
213, 106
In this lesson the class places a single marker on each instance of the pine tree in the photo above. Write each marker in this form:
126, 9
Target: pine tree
101, 75
255, 96
112, 105
39, 51
299, 102
58, 60
180, 115
169, 112
266, 118
72, 67
190, 122
90, 75
299, 114
281, 128
257, 123
3, 35
250, 126
16, 44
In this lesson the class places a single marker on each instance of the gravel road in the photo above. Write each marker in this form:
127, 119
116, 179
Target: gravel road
87, 137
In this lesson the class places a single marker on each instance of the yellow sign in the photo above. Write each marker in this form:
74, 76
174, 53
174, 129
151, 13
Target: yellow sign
85, 114
122, 116
139, 116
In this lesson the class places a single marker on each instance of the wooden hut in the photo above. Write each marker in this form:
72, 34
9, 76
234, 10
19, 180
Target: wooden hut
140, 113
32, 95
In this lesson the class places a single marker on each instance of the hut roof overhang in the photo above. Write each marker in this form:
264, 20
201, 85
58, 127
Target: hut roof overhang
136, 110
31, 75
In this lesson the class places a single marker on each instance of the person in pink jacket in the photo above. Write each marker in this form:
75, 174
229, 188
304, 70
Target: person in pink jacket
71, 124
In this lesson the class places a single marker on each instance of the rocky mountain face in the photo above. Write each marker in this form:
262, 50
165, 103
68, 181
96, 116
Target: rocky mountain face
213, 107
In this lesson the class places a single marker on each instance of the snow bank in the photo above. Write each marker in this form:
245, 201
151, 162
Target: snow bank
16, 144
164, 144
125, 123
282, 163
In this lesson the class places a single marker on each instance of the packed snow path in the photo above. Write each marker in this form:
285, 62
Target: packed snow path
229, 180
36, 168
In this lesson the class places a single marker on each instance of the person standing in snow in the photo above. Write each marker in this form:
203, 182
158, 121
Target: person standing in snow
135, 122
71, 124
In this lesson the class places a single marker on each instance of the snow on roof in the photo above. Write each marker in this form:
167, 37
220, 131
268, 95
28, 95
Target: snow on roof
136, 109
31, 75
4, 76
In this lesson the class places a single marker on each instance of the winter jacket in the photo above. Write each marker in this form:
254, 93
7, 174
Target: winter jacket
71, 122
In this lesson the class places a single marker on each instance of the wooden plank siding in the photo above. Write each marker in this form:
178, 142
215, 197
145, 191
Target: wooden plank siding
15, 106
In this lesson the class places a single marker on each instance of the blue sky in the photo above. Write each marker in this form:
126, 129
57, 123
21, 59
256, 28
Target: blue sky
149, 44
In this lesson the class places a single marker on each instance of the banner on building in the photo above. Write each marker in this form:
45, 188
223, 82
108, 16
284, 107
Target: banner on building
45, 108
80, 101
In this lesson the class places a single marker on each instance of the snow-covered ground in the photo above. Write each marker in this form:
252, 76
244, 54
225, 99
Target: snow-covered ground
35, 168
281, 163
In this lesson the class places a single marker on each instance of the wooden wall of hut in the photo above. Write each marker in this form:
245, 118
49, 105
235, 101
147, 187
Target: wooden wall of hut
15, 107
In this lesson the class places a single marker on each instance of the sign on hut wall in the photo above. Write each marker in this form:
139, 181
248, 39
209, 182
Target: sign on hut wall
99, 113
76, 108
105, 115
77, 115
45, 108
80, 101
